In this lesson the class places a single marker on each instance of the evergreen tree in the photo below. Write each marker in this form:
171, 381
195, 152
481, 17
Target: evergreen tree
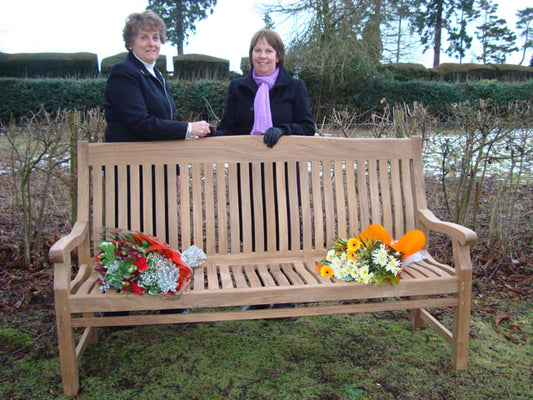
497, 41
525, 24
180, 17
435, 16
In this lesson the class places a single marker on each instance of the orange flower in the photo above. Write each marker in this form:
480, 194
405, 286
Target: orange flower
354, 244
350, 253
326, 271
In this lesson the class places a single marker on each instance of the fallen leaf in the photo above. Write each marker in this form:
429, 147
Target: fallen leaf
500, 317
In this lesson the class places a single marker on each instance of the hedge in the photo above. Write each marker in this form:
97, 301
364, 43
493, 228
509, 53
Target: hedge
205, 99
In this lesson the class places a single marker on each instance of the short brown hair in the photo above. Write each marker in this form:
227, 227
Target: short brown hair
147, 20
274, 40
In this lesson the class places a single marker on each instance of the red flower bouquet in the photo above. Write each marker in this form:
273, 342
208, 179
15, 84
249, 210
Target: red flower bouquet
141, 263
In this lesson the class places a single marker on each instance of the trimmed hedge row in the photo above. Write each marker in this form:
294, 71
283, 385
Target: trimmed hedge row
205, 99
24, 97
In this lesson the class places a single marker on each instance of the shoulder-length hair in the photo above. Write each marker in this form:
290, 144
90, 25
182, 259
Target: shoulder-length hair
274, 40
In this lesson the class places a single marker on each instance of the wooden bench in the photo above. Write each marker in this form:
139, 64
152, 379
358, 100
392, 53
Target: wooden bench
264, 217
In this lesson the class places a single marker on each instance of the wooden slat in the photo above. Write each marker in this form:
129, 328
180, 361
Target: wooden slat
197, 204
281, 202
259, 207
306, 207
294, 211
198, 278
265, 276
122, 176
375, 201
352, 201
408, 195
318, 215
234, 208
173, 222
225, 277
185, 207
148, 214
252, 277
270, 208
222, 211
210, 207
340, 199
97, 204
385, 194
238, 276
109, 196
362, 195
135, 199
246, 208
397, 200
329, 201
278, 275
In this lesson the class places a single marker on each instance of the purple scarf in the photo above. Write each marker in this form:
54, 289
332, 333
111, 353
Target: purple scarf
262, 113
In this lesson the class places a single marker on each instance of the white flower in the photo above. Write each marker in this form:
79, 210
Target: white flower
380, 256
393, 266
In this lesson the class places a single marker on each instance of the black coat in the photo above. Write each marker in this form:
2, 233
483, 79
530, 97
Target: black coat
138, 106
289, 105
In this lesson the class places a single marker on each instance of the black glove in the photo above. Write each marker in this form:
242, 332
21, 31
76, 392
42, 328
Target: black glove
272, 136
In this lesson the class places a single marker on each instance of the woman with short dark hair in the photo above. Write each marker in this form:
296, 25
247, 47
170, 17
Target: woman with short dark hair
138, 104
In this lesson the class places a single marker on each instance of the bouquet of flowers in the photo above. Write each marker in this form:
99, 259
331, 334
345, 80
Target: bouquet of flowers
372, 256
141, 263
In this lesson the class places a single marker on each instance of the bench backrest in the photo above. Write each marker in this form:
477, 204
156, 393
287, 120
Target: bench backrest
235, 195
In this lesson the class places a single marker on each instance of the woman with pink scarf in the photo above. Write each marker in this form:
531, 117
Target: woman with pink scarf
267, 101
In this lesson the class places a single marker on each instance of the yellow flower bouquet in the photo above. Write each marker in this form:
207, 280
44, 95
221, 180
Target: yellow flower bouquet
372, 256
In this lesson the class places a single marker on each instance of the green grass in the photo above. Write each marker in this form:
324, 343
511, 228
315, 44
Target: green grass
366, 356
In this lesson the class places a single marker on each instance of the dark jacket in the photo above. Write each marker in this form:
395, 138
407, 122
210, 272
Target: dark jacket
289, 104
138, 106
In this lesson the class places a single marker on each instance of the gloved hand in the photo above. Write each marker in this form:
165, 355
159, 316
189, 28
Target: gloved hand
272, 136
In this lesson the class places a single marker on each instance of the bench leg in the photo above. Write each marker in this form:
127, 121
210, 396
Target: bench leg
461, 321
67, 346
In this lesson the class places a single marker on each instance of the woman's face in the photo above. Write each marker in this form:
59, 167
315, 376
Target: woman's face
147, 45
264, 58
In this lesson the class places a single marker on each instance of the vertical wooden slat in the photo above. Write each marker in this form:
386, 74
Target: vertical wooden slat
409, 200
160, 209
329, 207
352, 202
281, 199
97, 203
246, 208
197, 205
222, 210
122, 196
210, 222
385, 194
306, 207
318, 209
340, 199
375, 202
148, 213
270, 207
172, 183
397, 200
257, 190
110, 196
184, 207
294, 197
135, 200
362, 195
234, 217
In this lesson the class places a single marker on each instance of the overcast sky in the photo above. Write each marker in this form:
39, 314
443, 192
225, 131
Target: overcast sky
95, 26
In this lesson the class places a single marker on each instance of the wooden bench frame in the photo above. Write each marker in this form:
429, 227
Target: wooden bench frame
264, 217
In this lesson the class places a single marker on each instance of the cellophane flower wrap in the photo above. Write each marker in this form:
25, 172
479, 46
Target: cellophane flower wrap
140, 263
372, 256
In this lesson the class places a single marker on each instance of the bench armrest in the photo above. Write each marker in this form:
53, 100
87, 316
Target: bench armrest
464, 235
61, 249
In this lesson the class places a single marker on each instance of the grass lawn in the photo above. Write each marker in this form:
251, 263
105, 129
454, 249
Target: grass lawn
364, 356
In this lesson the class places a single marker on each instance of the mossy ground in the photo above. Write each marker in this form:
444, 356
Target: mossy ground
364, 356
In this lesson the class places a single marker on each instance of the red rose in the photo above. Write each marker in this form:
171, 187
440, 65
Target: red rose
141, 264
